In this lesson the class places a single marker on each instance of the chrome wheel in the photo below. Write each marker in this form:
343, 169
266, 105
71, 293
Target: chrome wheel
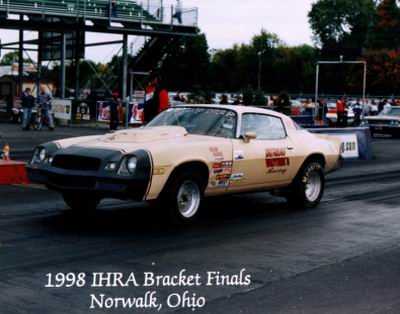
188, 199
313, 186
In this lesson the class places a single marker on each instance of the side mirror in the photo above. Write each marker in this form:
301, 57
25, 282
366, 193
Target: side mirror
249, 136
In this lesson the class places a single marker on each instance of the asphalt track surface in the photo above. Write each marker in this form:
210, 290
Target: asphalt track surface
343, 257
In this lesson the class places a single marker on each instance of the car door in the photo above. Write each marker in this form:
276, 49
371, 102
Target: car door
264, 161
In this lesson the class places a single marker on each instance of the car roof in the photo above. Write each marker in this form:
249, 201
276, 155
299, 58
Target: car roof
238, 109
289, 123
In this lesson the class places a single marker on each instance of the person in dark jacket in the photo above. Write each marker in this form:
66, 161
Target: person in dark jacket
27, 103
157, 99
114, 116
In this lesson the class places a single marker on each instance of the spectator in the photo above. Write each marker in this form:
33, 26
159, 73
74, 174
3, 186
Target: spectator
381, 105
178, 11
113, 8
224, 100
157, 99
322, 110
238, 100
358, 110
387, 108
27, 103
284, 104
44, 102
114, 111
366, 108
341, 112
179, 98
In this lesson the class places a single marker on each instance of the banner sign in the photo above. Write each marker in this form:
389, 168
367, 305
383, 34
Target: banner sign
349, 147
62, 109
103, 113
83, 112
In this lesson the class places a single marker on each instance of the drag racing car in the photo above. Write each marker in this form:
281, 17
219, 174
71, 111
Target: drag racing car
387, 122
187, 153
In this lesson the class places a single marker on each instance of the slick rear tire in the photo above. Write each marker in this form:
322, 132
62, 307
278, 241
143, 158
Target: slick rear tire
308, 187
81, 203
183, 197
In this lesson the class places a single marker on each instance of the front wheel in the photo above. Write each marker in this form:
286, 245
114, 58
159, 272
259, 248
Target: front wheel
183, 197
81, 203
308, 187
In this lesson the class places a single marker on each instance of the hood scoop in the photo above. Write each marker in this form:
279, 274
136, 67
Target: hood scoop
146, 134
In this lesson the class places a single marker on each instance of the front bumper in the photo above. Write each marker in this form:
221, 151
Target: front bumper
89, 182
385, 129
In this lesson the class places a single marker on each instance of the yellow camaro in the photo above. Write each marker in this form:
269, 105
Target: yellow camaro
187, 153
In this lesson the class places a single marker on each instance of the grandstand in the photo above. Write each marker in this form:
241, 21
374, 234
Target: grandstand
125, 11
62, 24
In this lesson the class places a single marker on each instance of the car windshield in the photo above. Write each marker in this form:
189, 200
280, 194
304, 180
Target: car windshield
199, 121
390, 112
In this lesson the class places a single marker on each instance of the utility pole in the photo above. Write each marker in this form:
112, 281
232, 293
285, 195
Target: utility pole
259, 54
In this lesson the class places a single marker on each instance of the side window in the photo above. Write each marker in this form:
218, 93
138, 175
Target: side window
266, 127
226, 126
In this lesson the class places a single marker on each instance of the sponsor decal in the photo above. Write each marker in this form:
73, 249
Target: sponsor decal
275, 152
238, 155
223, 177
276, 171
237, 177
276, 158
159, 171
222, 167
221, 172
218, 155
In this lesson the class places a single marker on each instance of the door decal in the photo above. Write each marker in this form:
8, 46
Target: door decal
276, 158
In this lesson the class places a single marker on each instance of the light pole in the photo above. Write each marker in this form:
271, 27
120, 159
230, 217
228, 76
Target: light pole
259, 54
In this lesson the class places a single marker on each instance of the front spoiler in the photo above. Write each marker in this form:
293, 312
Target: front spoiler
87, 182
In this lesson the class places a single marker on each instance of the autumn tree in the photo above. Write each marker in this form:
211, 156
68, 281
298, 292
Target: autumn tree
386, 32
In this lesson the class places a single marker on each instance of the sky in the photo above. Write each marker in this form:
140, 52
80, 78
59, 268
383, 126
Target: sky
225, 23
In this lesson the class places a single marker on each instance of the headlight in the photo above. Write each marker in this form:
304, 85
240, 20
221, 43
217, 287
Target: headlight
131, 164
128, 166
111, 166
42, 155
39, 155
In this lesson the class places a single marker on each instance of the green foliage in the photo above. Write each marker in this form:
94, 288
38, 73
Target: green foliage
188, 64
341, 26
248, 96
10, 58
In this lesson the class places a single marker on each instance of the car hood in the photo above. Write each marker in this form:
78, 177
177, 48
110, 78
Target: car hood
383, 118
145, 138
145, 135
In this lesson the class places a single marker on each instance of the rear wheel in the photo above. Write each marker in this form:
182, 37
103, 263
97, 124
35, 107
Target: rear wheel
308, 188
81, 203
183, 197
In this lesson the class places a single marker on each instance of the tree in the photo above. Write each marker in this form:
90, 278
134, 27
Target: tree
10, 58
386, 31
384, 71
187, 65
342, 26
